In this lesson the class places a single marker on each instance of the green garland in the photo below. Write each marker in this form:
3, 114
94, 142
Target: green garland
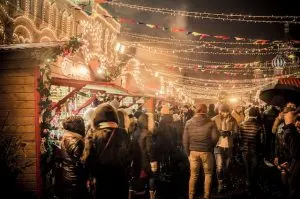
44, 84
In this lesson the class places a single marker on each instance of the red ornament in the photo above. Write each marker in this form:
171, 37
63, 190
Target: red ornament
66, 52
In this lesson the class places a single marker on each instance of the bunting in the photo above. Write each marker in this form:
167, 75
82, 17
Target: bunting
199, 35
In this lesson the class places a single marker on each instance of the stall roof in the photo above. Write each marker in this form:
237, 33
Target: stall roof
107, 87
23, 46
290, 81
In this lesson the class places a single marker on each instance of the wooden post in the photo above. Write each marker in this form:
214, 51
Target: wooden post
37, 98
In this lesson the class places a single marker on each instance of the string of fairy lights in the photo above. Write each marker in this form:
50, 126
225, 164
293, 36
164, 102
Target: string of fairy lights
182, 41
212, 16
196, 51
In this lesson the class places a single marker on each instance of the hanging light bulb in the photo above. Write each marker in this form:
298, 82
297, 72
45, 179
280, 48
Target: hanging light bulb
100, 70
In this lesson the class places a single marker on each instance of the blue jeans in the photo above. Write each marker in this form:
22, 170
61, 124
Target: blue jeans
250, 160
223, 161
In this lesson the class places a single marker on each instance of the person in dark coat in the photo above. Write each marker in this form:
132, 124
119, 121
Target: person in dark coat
211, 111
173, 163
199, 138
142, 152
251, 139
178, 126
106, 154
292, 142
73, 173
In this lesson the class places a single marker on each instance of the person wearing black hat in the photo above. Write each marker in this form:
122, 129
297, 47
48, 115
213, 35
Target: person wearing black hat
228, 131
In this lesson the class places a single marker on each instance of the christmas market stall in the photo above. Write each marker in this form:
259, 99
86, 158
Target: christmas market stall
57, 57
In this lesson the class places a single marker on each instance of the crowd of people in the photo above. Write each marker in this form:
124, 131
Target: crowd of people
113, 154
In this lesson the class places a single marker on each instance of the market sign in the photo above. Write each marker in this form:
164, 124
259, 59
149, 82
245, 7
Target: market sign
74, 70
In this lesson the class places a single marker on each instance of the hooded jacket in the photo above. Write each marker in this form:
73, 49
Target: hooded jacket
200, 134
106, 153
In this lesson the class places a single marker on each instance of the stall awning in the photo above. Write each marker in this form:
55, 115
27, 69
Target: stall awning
106, 87
290, 81
111, 88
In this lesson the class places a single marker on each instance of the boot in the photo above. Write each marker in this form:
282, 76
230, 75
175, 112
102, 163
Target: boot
220, 186
152, 194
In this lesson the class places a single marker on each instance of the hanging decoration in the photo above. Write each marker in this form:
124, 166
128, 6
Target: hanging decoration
183, 42
211, 16
197, 50
278, 61
44, 83
183, 30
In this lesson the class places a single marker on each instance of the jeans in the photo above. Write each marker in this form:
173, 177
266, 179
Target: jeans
197, 160
223, 162
250, 160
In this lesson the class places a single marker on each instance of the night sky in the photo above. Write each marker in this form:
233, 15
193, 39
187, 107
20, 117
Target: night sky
212, 27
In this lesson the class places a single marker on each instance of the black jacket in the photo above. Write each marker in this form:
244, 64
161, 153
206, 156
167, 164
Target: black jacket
251, 132
200, 134
71, 150
142, 149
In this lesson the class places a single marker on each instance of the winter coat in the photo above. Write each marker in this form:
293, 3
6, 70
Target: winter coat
230, 126
178, 126
292, 141
72, 146
281, 151
142, 148
164, 137
200, 134
251, 134
106, 153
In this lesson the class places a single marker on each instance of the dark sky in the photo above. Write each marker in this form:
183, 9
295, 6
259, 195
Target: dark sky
242, 29
213, 27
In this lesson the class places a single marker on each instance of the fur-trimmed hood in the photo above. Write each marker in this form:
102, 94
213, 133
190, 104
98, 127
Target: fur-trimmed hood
104, 113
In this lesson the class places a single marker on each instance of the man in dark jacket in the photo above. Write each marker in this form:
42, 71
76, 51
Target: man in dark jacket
251, 132
199, 138
292, 142
73, 174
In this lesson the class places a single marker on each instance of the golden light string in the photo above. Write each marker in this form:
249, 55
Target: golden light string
219, 69
180, 41
213, 16
222, 64
167, 50
209, 46
193, 60
209, 90
259, 80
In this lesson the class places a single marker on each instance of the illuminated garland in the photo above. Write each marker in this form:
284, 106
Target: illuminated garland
180, 41
213, 16
234, 52
184, 31
44, 84
250, 81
